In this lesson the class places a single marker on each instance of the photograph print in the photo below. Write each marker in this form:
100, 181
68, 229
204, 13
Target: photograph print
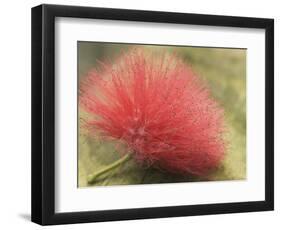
151, 114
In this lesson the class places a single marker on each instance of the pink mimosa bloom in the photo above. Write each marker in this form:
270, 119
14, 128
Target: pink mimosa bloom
159, 108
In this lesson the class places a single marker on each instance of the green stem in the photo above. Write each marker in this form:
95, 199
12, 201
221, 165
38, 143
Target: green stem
93, 177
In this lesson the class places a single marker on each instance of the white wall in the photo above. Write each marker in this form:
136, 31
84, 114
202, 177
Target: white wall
15, 113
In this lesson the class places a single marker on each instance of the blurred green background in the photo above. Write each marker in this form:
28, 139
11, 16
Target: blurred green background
224, 71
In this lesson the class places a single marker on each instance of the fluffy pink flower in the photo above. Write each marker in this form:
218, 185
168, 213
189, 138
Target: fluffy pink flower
159, 108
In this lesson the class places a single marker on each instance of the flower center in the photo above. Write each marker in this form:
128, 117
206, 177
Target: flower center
137, 135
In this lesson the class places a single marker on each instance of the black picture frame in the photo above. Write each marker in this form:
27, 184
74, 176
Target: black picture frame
43, 114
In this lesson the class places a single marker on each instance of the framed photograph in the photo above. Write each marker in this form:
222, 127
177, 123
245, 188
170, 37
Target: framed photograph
142, 114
